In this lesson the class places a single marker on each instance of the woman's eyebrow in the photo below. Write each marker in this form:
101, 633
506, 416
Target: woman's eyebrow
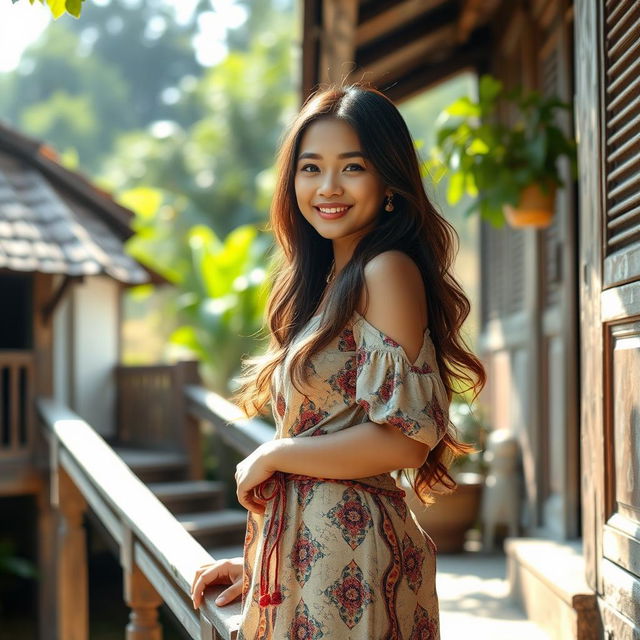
317, 156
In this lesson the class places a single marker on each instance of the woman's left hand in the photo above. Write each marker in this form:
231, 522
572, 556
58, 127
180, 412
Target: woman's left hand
251, 472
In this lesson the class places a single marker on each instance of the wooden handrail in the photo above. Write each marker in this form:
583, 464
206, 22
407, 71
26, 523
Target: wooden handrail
148, 535
239, 432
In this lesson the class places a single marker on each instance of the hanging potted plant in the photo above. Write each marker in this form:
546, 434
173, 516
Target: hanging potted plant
509, 169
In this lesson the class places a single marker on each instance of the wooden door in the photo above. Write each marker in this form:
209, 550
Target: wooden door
608, 123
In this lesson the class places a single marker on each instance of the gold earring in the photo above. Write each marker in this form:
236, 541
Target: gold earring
389, 204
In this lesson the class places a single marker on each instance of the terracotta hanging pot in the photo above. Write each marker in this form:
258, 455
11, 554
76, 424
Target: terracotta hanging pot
534, 209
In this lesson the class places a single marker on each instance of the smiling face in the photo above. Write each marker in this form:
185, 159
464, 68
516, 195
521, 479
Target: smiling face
338, 190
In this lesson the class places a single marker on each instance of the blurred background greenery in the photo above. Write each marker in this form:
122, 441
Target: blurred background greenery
176, 107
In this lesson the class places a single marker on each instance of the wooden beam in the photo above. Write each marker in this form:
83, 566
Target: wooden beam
337, 55
405, 58
395, 38
393, 16
474, 13
50, 306
427, 75
311, 35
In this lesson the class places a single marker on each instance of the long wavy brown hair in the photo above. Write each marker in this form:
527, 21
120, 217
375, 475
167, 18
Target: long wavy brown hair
305, 259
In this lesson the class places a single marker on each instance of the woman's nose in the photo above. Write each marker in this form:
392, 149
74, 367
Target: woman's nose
330, 185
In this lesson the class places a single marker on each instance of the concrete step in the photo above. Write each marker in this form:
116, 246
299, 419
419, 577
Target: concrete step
190, 496
216, 528
155, 466
548, 579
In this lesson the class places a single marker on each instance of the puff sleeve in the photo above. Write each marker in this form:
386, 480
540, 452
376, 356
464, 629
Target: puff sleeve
392, 390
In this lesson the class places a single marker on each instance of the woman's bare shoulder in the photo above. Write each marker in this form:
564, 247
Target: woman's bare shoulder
395, 300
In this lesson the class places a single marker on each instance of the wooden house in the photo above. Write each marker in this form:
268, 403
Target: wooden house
67, 407
559, 306
62, 269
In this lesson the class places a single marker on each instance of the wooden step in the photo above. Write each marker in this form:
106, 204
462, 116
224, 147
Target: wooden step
155, 466
216, 528
190, 496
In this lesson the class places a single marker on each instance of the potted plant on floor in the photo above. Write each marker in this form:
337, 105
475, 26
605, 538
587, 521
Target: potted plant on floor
452, 514
509, 169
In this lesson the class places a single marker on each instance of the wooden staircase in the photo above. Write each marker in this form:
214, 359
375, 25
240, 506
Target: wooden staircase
161, 444
199, 505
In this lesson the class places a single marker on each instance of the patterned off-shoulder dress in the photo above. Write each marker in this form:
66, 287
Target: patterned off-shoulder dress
346, 559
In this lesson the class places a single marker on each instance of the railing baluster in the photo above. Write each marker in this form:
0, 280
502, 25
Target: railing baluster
73, 590
139, 594
143, 601
14, 407
16, 385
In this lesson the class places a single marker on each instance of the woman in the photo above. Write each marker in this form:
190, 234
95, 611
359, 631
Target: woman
365, 349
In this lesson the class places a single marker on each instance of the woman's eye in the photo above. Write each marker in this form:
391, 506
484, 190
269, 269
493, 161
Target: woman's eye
354, 166
309, 168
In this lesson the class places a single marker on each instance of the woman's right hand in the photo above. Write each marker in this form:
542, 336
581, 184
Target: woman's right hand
227, 571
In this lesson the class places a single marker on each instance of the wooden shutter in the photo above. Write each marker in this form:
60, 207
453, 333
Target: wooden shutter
622, 140
551, 236
608, 118
503, 252
514, 266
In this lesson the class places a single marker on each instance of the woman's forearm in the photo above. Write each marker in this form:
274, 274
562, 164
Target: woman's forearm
362, 450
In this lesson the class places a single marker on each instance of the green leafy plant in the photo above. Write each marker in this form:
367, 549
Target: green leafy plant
492, 161
60, 7
223, 298
471, 426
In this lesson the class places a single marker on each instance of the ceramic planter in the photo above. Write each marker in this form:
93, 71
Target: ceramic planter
449, 518
534, 209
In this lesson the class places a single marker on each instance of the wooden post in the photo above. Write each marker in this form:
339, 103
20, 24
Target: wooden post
337, 58
72, 574
140, 596
188, 426
46, 566
144, 601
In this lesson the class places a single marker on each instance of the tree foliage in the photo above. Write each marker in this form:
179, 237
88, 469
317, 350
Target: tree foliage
189, 148
60, 7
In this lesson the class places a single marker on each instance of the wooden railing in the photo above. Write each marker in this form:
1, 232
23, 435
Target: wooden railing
151, 410
16, 403
237, 431
158, 556
234, 435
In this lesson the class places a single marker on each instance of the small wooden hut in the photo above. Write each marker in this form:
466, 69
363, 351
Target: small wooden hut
67, 406
62, 270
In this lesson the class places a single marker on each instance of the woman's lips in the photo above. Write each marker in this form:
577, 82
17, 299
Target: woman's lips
333, 212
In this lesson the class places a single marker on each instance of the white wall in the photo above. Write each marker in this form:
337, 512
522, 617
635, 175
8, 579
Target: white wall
86, 346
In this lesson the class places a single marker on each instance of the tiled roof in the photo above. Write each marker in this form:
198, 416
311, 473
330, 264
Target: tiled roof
53, 221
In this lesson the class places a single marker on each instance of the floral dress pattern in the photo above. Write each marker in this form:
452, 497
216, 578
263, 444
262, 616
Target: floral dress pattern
346, 559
